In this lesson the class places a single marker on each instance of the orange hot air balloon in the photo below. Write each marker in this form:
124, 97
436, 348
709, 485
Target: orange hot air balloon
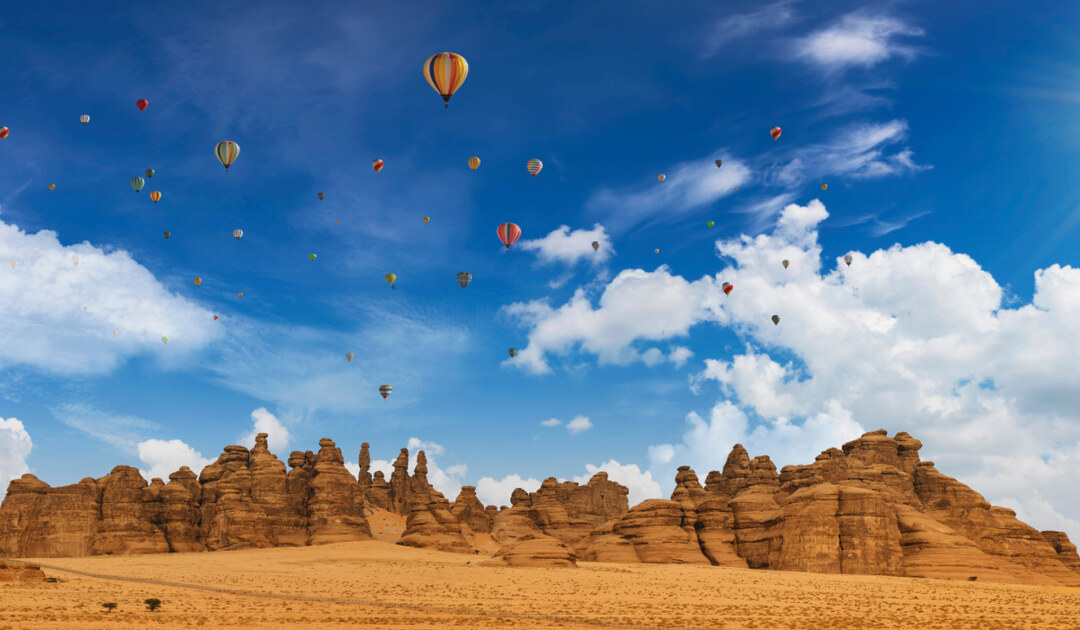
240, 294
656, 251
774, 132
824, 186
727, 287
198, 281
474, 162
446, 72
156, 196
141, 104
52, 186
426, 219
377, 165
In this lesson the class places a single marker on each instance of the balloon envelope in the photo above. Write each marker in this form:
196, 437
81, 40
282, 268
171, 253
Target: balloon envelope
84, 119
534, 166
719, 163
513, 352
774, 132
390, 278
227, 151
137, 183
727, 287
426, 219
775, 319
156, 196
377, 165
710, 224
322, 196
237, 234
785, 263
167, 234
164, 340
824, 186
847, 259
464, 278
661, 177
149, 173
52, 186
141, 104
312, 257
474, 162
198, 281
75, 259
349, 356
4, 131
385, 390
445, 72
656, 251
596, 246
509, 233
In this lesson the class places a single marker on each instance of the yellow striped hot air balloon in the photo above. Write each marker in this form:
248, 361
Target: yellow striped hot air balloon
156, 196
227, 152
446, 72
474, 162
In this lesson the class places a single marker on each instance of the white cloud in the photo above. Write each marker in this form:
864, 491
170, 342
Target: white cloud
278, 436
578, 424
857, 40
550, 423
912, 339
497, 492
741, 25
41, 308
680, 355
640, 483
167, 456
563, 246
121, 432
15, 447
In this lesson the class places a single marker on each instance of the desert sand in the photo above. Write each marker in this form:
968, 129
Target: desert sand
383, 585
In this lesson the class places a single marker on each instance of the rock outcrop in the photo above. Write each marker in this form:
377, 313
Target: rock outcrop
470, 512
20, 572
430, 523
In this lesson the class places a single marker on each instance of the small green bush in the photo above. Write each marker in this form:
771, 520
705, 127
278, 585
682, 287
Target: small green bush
153, 603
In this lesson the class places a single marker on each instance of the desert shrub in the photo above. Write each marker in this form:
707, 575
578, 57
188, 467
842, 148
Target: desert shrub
52, 580
973, 578
109, 606
153, 603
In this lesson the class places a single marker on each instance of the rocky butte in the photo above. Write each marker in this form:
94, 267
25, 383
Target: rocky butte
872, 507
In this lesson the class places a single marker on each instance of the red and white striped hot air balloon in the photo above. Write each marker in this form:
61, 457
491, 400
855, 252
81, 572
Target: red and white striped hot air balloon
509, 233
377, 165
534, 166
774, 132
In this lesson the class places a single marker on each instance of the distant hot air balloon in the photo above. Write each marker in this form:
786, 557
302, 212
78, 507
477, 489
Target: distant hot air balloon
4, 131
710, 224
719, 163
14, 263
785, 263
349, 356
240, 294
824, 186
775, 319
198, 281
137, 183
474, 162
385, 390
736, 189
75, 259
312, 257
377, 165
164, 340
656, 251
215, 318
534, 166
156, 196
141, 104
238, 234
339, 221
464, 278
727, 287
774, 132
149, 173
446, 72
847, 259
426, 219
596, 246
509, 233
167, 234
84, 119
391, 279
512, 352
227, 151
322, 196
52, 186
661, 177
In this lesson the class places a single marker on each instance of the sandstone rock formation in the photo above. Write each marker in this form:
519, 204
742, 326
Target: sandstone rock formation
430, 523
20, 572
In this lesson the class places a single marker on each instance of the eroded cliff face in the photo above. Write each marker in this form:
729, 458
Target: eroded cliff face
872, 507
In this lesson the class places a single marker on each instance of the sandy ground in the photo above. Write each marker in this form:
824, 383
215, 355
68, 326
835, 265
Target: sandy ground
382, 585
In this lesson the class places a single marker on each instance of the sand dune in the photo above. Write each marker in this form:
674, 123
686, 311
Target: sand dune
377, 584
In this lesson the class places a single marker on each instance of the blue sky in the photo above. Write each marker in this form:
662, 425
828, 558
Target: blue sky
946, 136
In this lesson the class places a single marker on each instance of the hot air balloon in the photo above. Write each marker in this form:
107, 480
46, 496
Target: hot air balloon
661, 177
137, 183
75, 259
513, 352
847, 259
198, 281
349, 356
141, 104
727, 287
509, 233
785, 263
775, 319
238, 234
240, 294
710, 224
385, 390
390, 279
446, 72
719, 163
164, 340
339, 221
377, 165
84, 119
4, 131
464, 278
149, 173
774, 132
322, 196
215, 318
736, 189
534, 166
474, 162
312, 257
156, 196
167, 234
824, 186
52, 186
227, 151
596, 246
426, 219
656, 251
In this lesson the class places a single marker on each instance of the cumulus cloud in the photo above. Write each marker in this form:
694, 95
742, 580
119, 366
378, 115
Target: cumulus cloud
857, 40
41, 308
578, 424
550, 423
639, 482
680, 355
278, 436
497, 492
742, 25
912, 339
167, 456
569, 247
15, 446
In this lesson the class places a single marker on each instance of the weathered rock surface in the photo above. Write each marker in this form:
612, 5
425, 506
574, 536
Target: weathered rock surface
430, 523
470, 512
1066, 551
541, 551
20, 572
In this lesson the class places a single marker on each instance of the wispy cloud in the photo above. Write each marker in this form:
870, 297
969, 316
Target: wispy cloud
857, 39
881, 228
741, 25
121, 432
